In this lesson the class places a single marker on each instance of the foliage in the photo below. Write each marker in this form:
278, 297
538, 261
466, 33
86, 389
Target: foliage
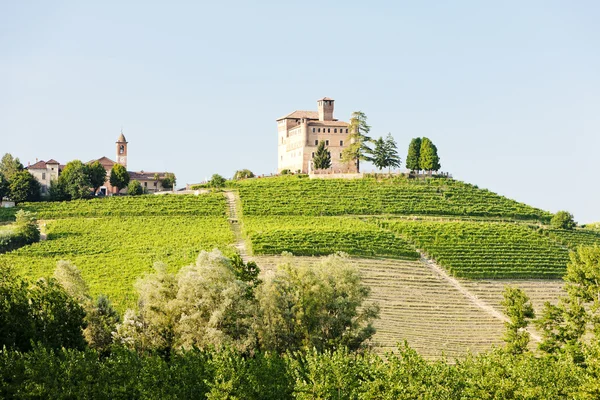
358, 150
135, 188
428, 156
563, 220
369, 196
285, 172
412, 159
322, 158
216, 181
313, 236
24, 187
75, 180
25, 231
385, 153
4, 187
169, 181
243, 174
57, 191
315, 306
9, 166
39, 312
518, 309
119, 177
485, 249
97, 175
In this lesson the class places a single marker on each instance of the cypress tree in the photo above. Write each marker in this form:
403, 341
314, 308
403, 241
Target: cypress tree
414, 151
428, 158
322, 159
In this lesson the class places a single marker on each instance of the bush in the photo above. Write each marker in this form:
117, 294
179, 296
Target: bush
26, 232
243, 174
563, 220
217, 181
135, 188
285, 172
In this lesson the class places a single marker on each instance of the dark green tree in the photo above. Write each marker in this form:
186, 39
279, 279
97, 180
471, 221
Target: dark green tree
322, 158
75, 180
216, 181
16, 325
4, 187
57, 191
27, 226
135, 188
24, 187
385, 153
119, 177
246, 272
518, 309
428, 157
102, 320
414, 151
97, 175
563, 220
169, 181
358, 150
9, 166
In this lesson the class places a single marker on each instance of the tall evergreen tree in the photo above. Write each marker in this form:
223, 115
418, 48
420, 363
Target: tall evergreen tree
359, 140
428, 157
322, 159
379, 158
414, 151
393, 159
9, 166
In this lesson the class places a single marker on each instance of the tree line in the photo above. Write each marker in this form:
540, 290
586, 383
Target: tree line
382, 152
194, 335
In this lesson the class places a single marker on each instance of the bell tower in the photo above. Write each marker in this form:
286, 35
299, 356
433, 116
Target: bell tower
122, 150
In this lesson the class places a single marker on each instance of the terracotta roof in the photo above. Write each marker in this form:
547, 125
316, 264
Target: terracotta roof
145, 176
38, 165
104, 161
52, 161
326, 98
121, 138
301, 114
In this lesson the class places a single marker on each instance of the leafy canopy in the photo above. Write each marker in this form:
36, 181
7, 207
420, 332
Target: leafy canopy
358, 149
322, 159
119, 177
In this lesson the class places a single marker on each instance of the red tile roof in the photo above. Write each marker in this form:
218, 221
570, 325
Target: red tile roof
301, 114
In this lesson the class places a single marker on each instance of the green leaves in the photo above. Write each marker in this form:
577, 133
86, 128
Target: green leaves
119, 177
322, 159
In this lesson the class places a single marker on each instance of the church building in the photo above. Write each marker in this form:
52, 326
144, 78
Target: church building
299, 134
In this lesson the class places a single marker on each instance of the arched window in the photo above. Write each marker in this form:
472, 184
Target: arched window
121, 149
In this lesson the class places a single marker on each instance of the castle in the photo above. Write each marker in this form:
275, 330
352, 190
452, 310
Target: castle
299, 134
47, 171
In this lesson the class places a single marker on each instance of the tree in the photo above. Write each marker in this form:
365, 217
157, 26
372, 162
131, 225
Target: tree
97, 175
24, 187
119, 177
243, 174
4, 187
57, 191
358, 149
385, 153
563, 220
9, 166
27, 226
322, 158
135, 188
518, 309
75, 180
216, 181
414, 151
428, 157
169, 181
322, 306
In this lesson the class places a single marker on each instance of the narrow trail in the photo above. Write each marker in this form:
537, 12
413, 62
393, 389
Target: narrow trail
232, 199
473, 298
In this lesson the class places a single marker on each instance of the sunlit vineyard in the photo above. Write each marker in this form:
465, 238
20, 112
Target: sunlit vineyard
113, 251
575, 237
210, 204
486, 250
401, 196
311, 236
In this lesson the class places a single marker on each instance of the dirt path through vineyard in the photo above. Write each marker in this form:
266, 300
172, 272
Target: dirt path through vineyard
232, 199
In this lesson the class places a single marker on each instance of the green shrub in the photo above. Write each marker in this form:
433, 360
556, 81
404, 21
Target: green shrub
563, 220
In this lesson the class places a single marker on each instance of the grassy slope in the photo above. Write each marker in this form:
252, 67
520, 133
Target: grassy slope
113, 251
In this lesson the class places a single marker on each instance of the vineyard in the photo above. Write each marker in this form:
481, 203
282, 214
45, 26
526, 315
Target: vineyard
113, 251
486, 250
313, 236
211, 204
575, 237
398, 196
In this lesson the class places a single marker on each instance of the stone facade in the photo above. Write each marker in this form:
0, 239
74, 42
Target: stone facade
45, 172
299, 134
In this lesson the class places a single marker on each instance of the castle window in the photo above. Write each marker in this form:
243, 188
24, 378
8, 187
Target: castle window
316, 142
314, 130
319, 130
327, 143
341, 142
154, 184
328, 130
335, 130
346, 130
43, 176
145, 184
313, 154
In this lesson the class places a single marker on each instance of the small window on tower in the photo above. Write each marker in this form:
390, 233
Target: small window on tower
327, 143
341, 142
314, 130
313, 154
346, 130
334, 130
328, 130
121, 149
316, 142
319, 130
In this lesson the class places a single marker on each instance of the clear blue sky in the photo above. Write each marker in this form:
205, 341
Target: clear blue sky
508, 91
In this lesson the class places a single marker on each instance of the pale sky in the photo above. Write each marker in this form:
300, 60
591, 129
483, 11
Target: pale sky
508, 91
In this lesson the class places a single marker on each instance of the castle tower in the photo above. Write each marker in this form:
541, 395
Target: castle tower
122, 150
325, 109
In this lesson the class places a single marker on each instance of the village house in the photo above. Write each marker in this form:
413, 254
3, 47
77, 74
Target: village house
47, 171
299, 134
